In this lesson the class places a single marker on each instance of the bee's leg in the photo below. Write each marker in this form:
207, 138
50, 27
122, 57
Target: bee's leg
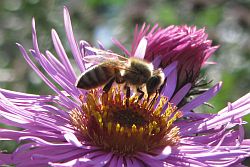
148, 97
156, 95
153, 100
141, 93
127, 88
107, 87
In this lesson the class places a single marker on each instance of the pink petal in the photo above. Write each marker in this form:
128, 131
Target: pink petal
141, 49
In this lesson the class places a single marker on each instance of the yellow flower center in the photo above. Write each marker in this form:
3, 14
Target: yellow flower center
126, 126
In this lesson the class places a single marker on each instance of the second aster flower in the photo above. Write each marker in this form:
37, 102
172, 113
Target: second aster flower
188, 46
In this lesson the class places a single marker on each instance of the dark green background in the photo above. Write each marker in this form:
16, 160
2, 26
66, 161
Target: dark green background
227, 22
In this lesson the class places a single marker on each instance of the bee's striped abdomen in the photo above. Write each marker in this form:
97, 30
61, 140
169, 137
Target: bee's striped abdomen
95, 76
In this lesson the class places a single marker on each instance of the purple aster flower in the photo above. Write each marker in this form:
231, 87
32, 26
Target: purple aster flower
90, 128
188, 46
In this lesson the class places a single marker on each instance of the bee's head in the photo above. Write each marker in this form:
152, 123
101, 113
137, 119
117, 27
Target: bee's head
155, 81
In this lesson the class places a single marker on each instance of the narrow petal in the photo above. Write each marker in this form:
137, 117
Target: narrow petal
141, 49
181, 94
60, 78
118, 44
71, 138
149, 159
167, 70
41, 75
71, 40
156, 62
170, 86
201, 99
164, 154
63, 56
216, 121
5, 159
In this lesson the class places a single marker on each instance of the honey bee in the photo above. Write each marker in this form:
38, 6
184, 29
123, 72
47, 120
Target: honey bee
132, 72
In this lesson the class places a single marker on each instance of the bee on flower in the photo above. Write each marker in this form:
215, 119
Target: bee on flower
130, 71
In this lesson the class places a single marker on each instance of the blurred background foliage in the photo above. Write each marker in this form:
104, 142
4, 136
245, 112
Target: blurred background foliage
227, 22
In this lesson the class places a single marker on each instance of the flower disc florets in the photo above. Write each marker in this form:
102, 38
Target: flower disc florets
125, 126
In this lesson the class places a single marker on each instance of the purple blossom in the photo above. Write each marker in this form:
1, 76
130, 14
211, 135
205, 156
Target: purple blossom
188, 46
89, 128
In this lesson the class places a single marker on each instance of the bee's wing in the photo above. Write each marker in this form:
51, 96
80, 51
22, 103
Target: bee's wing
97, 59
120, 65
102, 55
111, 59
